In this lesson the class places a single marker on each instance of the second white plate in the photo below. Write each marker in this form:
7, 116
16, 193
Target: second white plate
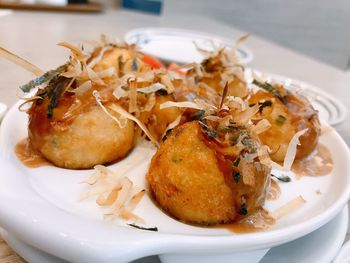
177, 45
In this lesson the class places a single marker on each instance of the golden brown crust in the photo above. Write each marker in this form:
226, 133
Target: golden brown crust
90, 138
288, 117
157, 120
194, 183
186, 181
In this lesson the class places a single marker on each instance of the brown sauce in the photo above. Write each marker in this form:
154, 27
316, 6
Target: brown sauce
259, 221
318, 163
274, 191
28, 156
224, 161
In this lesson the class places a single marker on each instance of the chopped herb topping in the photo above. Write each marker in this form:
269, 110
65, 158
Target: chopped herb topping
236, 177
284, 178
269, 88
198, 115
56, 88
53, 91
134, 65
144, 228
280, 120
211, 133
176, 159
243, 209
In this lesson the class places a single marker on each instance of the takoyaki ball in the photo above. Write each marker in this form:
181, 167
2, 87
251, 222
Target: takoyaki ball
288, 113
216, 74
236, 87
195, 183
123, 60
157, 120
83, 140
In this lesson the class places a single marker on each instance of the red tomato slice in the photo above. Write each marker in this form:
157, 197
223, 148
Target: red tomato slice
153, 62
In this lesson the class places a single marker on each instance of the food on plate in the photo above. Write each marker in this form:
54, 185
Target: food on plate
67, 125
157, 120
219, 68
217, 132
84, 111
144, 92
209, 171
288, 113
90, 138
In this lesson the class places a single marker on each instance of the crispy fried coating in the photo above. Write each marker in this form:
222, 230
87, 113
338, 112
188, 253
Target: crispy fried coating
190, 183
287, 116
90, 138
222, 68
235, 87
122, 60
157, 120
69, 129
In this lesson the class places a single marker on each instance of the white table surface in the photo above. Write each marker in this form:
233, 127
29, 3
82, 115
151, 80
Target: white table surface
33, 35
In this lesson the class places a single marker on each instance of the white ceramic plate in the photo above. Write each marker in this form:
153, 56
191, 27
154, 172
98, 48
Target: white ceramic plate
331, 109
322, 244
176, 45
40, 205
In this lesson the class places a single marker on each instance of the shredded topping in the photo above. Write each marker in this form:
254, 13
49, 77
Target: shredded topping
292, 150
122, 124
289, 207
184, 104
114, 191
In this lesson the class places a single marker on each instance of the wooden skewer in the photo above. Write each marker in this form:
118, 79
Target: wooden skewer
20, 62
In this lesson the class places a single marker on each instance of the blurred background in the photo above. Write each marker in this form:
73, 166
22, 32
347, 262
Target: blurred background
318, 29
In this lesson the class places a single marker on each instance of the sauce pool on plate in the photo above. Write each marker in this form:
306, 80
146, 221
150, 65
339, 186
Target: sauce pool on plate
28, 156
274, 191
318, 163
259, 221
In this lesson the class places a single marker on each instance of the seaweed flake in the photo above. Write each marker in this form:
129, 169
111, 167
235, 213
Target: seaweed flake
269, 88
43, 78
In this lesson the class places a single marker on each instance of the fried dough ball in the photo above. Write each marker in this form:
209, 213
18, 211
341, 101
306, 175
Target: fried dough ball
157, 120
124, 60
194, 183
68, 127
288, 113
90, 138
220, 69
